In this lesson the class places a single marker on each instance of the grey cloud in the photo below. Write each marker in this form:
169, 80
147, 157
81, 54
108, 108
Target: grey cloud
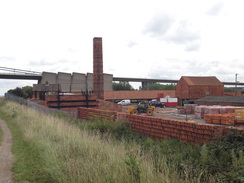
216, 9
7, 59
45, 62
72, 50
166, 71
42, 62
224, 72
183, 34
158, 25
215, 63
193, 47
131, 43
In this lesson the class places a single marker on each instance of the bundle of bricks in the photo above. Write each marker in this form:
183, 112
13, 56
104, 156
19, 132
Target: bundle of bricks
106, 105
239, 116
168, 128
92, 113
202, 110
224, 119
187, 109
70, 102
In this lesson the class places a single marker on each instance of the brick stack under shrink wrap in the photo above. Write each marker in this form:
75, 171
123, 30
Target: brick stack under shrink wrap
239, 116
200, 111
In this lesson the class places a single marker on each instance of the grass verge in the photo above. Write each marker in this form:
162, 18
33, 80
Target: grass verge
1, 135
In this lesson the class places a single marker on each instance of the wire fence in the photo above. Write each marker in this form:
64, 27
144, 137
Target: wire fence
38, 107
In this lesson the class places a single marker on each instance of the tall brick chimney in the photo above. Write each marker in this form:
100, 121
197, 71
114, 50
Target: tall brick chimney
98, 82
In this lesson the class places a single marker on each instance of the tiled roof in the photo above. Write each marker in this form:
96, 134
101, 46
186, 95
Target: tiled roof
201, 80
137, 94
233, 99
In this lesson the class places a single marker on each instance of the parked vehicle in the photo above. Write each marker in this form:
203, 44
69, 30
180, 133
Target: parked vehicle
157, 104
142, 107
124, 102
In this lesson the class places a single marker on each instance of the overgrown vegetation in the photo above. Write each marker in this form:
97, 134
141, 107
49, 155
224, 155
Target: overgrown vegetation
50, 149
122, 85
24, 92
1, 135
158, 86
218, 161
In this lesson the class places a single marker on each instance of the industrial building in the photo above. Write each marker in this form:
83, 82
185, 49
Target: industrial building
191, 88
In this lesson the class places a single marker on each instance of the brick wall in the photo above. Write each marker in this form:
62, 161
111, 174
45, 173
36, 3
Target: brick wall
162, 128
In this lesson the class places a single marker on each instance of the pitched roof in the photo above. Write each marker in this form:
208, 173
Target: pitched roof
232, 99
201, 80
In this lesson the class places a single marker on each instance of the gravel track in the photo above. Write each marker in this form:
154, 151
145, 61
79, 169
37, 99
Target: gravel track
6, 156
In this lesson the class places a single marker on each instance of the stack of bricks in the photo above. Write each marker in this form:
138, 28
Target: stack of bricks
106, 105
202, 110
190, 108
162, 128
167, 128
70, 102
224, 119
187, 109
239, 114
92, 113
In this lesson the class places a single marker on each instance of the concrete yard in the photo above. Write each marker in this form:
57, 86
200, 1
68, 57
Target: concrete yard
169, 113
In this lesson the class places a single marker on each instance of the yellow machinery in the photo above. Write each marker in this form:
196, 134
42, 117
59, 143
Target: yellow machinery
239, 116
142, 107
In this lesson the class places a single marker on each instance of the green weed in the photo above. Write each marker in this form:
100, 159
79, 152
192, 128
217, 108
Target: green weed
1, 135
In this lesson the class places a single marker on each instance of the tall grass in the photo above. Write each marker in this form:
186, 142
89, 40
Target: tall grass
52, 149
56, 151
1, 135
218, 161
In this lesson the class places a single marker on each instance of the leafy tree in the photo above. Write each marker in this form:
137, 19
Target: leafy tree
24, 92
227, 89
157, 86
122, 85
28, 90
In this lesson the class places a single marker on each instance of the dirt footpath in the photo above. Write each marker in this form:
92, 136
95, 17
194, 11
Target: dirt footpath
6, 156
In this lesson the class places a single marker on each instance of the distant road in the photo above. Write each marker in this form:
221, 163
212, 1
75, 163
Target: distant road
21, 76
38, 77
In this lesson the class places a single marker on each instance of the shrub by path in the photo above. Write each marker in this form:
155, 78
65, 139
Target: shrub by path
6, 156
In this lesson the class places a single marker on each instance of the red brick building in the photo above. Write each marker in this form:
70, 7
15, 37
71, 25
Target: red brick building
191, 88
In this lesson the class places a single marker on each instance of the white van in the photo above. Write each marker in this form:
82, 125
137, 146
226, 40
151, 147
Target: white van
124, 102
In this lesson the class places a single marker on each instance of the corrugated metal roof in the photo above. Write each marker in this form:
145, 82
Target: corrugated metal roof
233, 99
201, 80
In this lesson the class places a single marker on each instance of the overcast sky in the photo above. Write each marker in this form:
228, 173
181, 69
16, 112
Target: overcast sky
158, 39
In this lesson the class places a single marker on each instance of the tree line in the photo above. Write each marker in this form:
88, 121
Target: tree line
125, 85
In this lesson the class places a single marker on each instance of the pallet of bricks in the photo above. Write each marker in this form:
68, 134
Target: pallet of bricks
226, 119
239, 116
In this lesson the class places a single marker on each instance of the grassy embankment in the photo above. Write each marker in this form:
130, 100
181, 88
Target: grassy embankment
1, 135
50, 149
